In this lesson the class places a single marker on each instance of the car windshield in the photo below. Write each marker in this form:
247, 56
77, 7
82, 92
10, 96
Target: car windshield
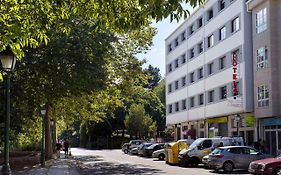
195, 143
217, 151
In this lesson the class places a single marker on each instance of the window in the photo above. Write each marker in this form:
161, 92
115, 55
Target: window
177, 106
170, 47
200, 22
183, 102
191, 100
183, 36
211, 96
207, 144
191, 53
176, 42
176, 63
183, 81
211, 41
222, 33
191, 77
170, 67
210, 14
235, 25
261, 21
191, 29
201, 99
223, 92
263, 96
262, 61
170, 109
210, 68
221, 5
176, 84
170, 88
200, 73
183, 59
200, 47
222, 63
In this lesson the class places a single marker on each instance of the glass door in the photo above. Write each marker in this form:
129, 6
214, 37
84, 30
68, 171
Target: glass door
271, 142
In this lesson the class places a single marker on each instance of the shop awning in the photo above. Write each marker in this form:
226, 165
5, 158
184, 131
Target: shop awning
217, 120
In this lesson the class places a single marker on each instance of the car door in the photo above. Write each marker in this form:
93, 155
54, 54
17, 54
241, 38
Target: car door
247, 158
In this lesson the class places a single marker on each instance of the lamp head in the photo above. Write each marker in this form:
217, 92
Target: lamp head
8, 60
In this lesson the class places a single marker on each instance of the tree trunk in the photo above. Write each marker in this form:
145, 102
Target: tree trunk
48, 139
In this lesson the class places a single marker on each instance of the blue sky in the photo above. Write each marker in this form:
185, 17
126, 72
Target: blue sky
156, 55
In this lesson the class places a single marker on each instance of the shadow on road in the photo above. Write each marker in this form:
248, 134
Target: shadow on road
96, 166
234, 172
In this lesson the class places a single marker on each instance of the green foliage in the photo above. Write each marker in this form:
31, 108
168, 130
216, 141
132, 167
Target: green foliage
138, 123
154, 76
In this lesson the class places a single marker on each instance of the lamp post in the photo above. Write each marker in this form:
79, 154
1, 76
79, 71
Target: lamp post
237, 118
43, 113
8, 61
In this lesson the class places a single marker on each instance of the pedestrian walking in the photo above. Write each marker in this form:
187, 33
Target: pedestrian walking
58, 148
66, 147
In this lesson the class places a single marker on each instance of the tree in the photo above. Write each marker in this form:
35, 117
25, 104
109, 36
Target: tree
138, 123
154, 76
26, 23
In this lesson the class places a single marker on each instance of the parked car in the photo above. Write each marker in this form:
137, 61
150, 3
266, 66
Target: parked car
205, 161
147, 152
270, 166
134, 151
234, 157
160, 154
126, 147
142, 147
204, 146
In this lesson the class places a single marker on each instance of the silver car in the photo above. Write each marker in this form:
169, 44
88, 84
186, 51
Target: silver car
160, 154
234, 157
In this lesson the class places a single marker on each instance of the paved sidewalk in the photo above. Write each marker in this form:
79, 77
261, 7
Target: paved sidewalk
56, 167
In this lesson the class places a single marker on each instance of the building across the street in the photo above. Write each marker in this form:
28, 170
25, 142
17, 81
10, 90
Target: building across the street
209, 73
266, 22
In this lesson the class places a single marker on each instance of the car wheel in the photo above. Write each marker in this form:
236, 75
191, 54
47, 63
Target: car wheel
228, 166
126, 151
194, 161
161, 156
277, 171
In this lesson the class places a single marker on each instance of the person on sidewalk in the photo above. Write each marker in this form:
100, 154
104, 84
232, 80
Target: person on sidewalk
58, 148
66, 147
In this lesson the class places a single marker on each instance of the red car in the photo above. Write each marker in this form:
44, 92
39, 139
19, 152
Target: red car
271, 166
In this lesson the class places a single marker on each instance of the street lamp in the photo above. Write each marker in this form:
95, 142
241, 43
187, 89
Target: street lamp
8, 61
237, 118
43, 113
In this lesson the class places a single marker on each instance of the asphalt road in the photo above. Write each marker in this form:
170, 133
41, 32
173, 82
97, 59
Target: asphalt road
115, 162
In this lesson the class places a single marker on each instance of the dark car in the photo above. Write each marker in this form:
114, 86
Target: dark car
270, 166
234, 157
154, 147
141, 148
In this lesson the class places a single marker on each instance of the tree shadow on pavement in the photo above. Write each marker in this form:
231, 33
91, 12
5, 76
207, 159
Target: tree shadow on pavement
106, 168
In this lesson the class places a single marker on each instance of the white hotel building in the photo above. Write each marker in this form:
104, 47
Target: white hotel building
201, 75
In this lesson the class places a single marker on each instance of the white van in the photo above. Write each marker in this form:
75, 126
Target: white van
204, 146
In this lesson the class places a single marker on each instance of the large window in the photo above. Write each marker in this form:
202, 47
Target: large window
210, 40
176, 63
183, 102
222, 63
183, 36
221, 4
191, 29
191, 53
201, 99
200, 73
170, 47
191, 77
183, 59
200, 47
170, 109
200, 22
261, 21
210, 14
177, 84
191, 101
177, 106
183, 81
223, 33
223, 92
210, 68
262, 61
211, 96
235, 25
263, 96
170, 68
176, 42
170, 88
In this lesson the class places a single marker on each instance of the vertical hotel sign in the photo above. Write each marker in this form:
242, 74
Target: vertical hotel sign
234, 74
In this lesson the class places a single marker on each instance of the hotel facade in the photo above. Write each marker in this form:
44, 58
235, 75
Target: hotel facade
209, 73
223, 72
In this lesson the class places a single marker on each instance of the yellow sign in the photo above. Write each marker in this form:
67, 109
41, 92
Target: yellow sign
249, 120
217, 120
